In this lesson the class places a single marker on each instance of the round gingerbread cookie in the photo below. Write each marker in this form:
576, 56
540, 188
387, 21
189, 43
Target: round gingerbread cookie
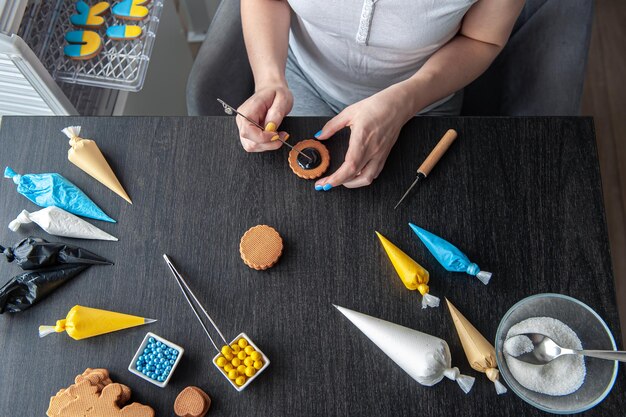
260, 247
314, 166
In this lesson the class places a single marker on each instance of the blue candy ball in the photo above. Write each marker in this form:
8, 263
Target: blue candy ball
172, 361
151, 339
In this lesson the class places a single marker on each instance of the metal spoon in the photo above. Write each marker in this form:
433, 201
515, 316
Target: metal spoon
545, 350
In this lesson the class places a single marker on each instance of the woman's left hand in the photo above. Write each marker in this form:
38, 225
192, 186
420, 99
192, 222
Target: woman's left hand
374, 124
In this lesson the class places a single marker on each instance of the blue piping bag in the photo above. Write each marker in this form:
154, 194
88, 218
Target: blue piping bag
48, 190
449, 256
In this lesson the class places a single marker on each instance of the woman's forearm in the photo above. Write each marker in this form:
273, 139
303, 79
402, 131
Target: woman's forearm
266, 34
451, 68
485, 30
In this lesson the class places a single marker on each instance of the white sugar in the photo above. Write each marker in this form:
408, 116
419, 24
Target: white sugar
518, 345
563, 375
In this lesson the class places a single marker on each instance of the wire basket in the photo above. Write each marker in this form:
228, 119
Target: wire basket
120, 65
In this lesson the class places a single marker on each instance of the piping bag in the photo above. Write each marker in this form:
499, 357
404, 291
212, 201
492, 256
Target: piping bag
481, 354
34, 253
83, 322
86, 155
449, 256
47, 190
28, 288
59, 222
424, 357
412, 274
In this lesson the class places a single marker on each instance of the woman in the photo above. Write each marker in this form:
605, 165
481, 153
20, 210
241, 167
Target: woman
372, 64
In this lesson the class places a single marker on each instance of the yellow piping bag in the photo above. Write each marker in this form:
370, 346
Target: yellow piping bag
412, 274
83, 322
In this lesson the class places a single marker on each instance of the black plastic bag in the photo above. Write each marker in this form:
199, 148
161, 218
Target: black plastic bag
28, 288
34, 253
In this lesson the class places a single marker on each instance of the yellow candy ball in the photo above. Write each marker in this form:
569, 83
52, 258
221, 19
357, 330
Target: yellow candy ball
236, 362
248, 350
232, 374
228, 367
241, 369
235, 347
258, 365
240, 380
248, 361
256, 356
250, 371
242, 355
226, 350
242, 343
221, 361
229, 356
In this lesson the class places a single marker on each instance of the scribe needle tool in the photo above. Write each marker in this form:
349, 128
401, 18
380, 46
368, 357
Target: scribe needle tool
431, 160
228, 109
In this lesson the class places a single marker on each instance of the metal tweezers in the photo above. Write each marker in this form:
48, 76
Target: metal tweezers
185, 289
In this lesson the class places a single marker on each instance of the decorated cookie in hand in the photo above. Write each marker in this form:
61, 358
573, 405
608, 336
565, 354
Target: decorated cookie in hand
131, 9
89, 17
84, 44
124, 32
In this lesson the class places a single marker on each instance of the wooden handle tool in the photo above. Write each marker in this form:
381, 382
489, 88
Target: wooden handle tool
431, 160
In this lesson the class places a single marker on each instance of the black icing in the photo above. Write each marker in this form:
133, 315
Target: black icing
306, 163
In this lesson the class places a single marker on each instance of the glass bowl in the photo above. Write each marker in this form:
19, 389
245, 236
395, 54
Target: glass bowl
593, 333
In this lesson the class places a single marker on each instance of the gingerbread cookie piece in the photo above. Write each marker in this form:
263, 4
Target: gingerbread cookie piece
90, 403
84, 44
98, 377
94, 395
124, 32
89, 17
192, 402
131, 9
260, 247
314, 166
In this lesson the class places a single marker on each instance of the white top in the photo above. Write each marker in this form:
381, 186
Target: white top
352, 49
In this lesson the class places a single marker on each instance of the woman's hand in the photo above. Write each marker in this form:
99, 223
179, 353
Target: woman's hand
375, 124
269, 103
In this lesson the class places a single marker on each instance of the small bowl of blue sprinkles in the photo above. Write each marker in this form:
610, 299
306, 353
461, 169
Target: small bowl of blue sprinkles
156, 359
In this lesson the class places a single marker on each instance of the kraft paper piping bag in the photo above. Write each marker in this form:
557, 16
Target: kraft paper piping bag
59, 222
449, 256
33, 253
83, 322
412, 274
424, 357
53, 189
481, 354
24, 290
86, 155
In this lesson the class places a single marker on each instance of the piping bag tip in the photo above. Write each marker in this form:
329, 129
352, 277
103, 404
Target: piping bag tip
148, 321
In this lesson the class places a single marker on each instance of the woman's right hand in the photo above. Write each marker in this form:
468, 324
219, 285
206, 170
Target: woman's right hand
269, 104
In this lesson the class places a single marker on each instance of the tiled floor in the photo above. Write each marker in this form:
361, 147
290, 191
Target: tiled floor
605, 98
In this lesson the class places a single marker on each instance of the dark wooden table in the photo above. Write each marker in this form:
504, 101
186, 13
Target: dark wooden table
521, 196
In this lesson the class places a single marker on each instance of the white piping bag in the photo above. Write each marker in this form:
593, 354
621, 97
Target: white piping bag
59, 222
424, 357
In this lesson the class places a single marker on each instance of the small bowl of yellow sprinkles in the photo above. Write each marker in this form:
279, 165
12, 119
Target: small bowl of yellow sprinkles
241, 362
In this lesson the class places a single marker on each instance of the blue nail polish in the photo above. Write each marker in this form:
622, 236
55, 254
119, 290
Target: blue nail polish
318, 188
327, 187
317, 135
